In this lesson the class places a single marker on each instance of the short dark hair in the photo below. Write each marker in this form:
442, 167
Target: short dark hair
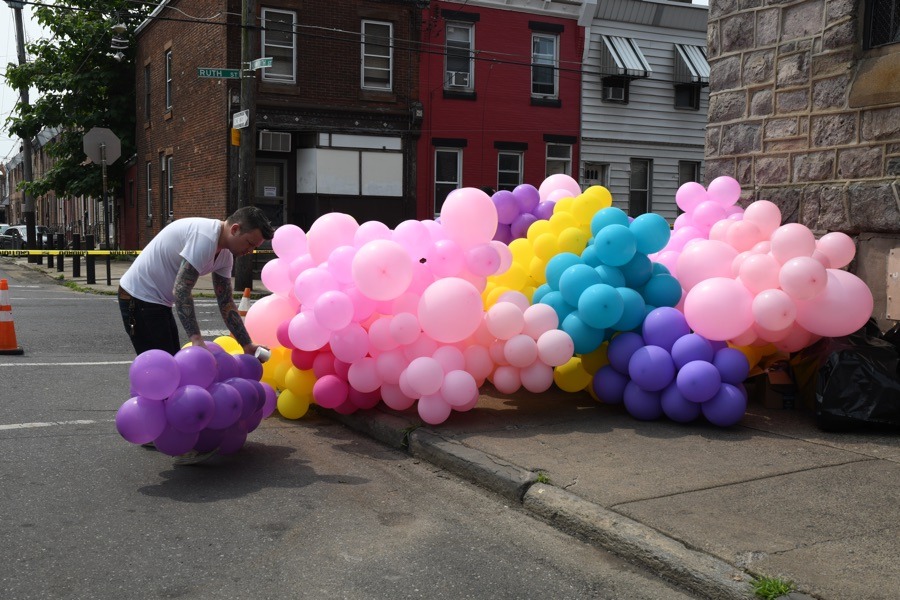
250, 218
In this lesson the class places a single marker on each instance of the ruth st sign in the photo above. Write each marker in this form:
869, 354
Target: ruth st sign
211, 73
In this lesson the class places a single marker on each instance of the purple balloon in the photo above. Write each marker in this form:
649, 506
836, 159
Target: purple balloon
507, 206
519, 227
253, 421
249, 395
732, 364
641, 404
228, 405
154, 374
651, 368
140, 420
209, 440
503, 234
271, 400
227, 365
698, 381
663, 326
691, 347
527, 197
196, 365
727, 407
174, 442
249, 366
233, 438
544, 210
190, 408
677, 407
609, 385
621, 348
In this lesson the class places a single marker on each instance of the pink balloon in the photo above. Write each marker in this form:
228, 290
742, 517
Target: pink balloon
483, 260
797, 339
707, 214
724, 190
458, 388
765, 215
289, 242
391, 365
838, 247
328, 232
774, 310
404, 328
371, 231
450, 310
719, 308
323, 364
689, 195
719, 230
394, 397
520, 350
363, 375
681, 238
363, 306
312, 283
704, 259
792, 240
306, 333
507, 379
380, 337
559, 181
478, 361
424, 346
433, 409
299, 265
555, 347
743, 235
537, 377
841, 308
330, 391
539, 318
340, 263
450, 358
517, 298
770, 336
669, 259
759, 272
350, 343
445, 258
682, 220
333, 310
469, 217
413, 236
506, 257
803, 277
425, 375
504, 320
497, 350
265, 317
746, 338
382, 270
276, 277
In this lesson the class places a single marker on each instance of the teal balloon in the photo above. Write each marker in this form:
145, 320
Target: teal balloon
539, 293
586, 338
600, 306
589, 255
637, 271
651, 232
660, 269
575, 280
615, 245
608, 216
662, 290
555, 300
633, 311
611, 276
557, 265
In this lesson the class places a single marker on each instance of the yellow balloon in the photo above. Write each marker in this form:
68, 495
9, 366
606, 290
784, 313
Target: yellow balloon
585, 207
521, 250
229, 344
572, 239
292, 406
753, 354
596, 360
279, 371
537, 271
601, 194
280, 354
528, 290
546, 246
563, 205
514, 278
299, 381
559, 222
494, 295
571, 377
537, 229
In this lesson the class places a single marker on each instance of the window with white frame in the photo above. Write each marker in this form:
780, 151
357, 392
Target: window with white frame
544, 65
596, 174
559, 159
377, 55
170, 188
509, 170
460, 61
168, 80
279, 43
149, 171
640, 191
447, 174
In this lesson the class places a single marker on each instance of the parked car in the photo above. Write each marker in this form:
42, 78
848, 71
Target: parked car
13, 236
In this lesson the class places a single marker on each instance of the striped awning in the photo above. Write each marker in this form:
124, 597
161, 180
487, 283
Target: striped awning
621, 56
691, 65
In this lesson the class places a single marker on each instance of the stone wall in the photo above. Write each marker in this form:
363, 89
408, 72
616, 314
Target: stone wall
802, 115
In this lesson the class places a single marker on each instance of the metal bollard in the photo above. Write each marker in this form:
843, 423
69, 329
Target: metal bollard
47, 246
76, 259
60, 245
89, 260
39, 245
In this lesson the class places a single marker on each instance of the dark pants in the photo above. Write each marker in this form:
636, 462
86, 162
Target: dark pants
150, 326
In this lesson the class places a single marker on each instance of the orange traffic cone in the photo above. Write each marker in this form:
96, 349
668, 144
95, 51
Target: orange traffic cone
244, 306
8, 344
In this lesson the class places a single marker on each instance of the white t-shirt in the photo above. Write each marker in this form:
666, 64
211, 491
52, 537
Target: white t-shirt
151, 277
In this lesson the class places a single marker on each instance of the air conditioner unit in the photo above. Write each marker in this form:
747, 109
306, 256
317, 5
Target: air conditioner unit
459, 79
614, 93
274, 141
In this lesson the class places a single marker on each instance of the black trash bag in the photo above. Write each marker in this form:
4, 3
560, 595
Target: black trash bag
859, 383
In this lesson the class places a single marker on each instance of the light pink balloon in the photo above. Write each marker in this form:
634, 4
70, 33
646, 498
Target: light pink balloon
517, 298
380, 337
689, 195
504, 320
350, 343
822, 258
521, 350
363, 375
841, 308
266, 315
743, 235
506, 379
724, 190
719, 230
394, 397
738, 262
555, 347
803, 278
363, 306
413, 236
382, 270
289, 242
450, 310
333, 310
391, 365
539, 318
759, 272
483, 260
669, 259
838, 247
763, 247
774, 310
423, 346
312, 283
458, 388
770, 336
682, 220
704, 259
506, 257
404, 328
276, 277
328, 232
469, 217
707, 214
537, 377
497, 350
478, 361
340, 263
445, 258
797, 339
765, 215
746, 338
719, 308
450, 358
425, 375
299, 265
433, 409
792, 240
371, 231
559, 181
681, 237
306, 333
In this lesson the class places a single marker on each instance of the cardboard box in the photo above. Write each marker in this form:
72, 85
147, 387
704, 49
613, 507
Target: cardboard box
775, 387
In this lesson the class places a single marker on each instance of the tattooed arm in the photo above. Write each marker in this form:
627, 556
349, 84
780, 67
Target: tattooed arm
185, 281
233, 320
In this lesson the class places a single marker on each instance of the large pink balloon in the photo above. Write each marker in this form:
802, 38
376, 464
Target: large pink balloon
792, 240
382, 270
289, 242
724, 190
276, 276
841, 308
433, 409
312, 283
689, 195
803, 277
719, 308
707, 214
328, 232
266, 315
469, 217
759, 272
450, 310
559, 181
838, 247
774, 310
306, 333
704, 259
765, 215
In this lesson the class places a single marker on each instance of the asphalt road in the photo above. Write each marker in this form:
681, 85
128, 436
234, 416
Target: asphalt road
306, 509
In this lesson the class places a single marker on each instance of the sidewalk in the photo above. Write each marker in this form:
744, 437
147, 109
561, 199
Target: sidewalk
704, 507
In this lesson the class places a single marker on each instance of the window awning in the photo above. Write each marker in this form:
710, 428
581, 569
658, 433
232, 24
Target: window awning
620, 56
691, 65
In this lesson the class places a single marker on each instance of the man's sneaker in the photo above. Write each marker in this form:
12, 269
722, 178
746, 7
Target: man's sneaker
193, 457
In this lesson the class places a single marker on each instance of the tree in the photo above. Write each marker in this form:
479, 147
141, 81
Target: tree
80, 85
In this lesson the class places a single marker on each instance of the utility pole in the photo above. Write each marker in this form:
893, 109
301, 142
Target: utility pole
16, 6
243, 268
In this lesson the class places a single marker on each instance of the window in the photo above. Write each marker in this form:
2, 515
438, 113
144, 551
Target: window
688, 170
460, 57
149, 169
687, 96
447, 175
170, 188
639, 189
377, 55
278, 43
544, 64
168, 80
559, 159
615, 89
882, 23
509, 170
596, 174
146, 92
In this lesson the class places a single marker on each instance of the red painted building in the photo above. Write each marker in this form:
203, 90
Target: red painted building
500, 85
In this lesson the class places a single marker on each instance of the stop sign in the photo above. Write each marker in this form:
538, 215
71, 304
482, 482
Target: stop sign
97, 137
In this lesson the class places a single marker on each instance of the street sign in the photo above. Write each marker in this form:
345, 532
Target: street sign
260, 63
240, 119
101, 136
212, 73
